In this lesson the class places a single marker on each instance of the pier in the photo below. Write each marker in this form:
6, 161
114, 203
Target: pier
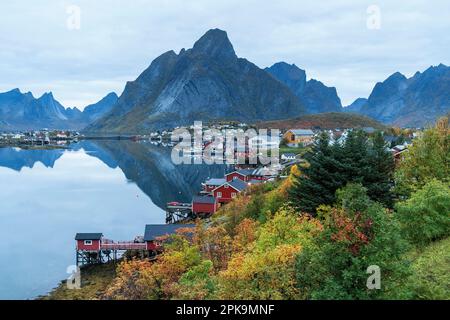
93, 248
179, 212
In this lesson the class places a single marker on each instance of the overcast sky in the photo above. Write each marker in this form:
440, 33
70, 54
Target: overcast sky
118, 39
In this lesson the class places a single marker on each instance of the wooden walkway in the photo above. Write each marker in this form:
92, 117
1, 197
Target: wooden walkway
123, 246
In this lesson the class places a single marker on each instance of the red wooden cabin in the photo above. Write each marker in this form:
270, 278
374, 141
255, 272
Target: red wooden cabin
229, 190
211, 184
245, 175
204, 205
88, 241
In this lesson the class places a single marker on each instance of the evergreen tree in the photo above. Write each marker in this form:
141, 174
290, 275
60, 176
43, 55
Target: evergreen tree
378, 179
354, 157
357, 160
320, 180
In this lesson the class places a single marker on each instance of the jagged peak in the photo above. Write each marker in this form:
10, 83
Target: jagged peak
397, 76
215, 43
47, 95
441, 67
111, 95
290, 70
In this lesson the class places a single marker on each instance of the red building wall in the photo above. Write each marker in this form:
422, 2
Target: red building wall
259, 178
204, 207
209, 188
230, 177
226, 194
154, 246
94, 247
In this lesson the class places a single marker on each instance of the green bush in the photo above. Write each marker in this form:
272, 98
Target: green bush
425, 217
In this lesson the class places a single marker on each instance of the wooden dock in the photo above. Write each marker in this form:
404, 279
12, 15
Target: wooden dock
178, 212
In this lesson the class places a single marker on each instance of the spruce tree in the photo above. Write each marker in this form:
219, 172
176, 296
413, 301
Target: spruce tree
379, 175
320, 180
357, 160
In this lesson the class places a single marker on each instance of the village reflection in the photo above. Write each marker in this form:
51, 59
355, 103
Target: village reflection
148, 166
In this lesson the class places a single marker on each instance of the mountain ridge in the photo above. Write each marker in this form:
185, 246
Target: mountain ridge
408, 102
22, 111
316, 96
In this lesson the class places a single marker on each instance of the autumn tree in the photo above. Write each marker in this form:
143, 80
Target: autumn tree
358, 233
266, 270
428, 158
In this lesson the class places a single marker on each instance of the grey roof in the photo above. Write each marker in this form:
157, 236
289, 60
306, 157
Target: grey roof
302, 132
238, 184
246, 172
255, 181
390, 138
88, 236
215, 182
153, 231
204, 199
368, 129
289, 155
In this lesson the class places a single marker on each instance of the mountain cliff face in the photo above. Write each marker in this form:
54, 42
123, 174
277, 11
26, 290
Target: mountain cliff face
21, 111
316, 97
207, 82
95, 111
414, 102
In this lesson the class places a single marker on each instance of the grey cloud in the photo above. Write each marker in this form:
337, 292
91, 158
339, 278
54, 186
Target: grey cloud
118, 39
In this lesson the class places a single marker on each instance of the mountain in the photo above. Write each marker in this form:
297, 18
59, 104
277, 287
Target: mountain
95, 111
21, 111
409, 102
324, 121
356, 105
315, 96
207, 82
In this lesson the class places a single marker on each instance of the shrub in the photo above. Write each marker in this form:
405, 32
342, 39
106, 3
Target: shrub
425, 217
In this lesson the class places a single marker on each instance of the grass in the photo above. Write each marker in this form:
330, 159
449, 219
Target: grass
428, 279
286, 149
94, 281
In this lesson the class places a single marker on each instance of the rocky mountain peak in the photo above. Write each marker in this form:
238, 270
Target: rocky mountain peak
215, 43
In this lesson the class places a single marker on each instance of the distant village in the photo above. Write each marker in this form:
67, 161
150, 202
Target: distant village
291, 141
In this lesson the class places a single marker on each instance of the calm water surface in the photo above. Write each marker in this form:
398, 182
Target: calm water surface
47, 196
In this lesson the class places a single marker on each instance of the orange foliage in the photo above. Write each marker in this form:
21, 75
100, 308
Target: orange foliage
352, 230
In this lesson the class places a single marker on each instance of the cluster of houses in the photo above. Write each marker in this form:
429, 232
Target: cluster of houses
219, 191
38, 137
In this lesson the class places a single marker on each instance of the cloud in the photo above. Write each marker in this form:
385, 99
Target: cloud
118, 40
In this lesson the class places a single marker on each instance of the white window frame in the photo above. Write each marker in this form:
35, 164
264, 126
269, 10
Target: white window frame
219, 194
233, 194
88, 242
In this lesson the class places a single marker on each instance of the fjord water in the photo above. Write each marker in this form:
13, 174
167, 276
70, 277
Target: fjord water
47, 196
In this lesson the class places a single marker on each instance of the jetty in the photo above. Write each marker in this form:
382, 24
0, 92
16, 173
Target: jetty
94, 248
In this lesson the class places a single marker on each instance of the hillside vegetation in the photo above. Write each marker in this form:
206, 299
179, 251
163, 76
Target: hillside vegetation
323, 121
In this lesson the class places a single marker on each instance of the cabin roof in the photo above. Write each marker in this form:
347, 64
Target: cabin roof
215, 182
204, 199
153, 231
238, 184
369, 129
289, 155
302, 132
88, 236
243, 172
